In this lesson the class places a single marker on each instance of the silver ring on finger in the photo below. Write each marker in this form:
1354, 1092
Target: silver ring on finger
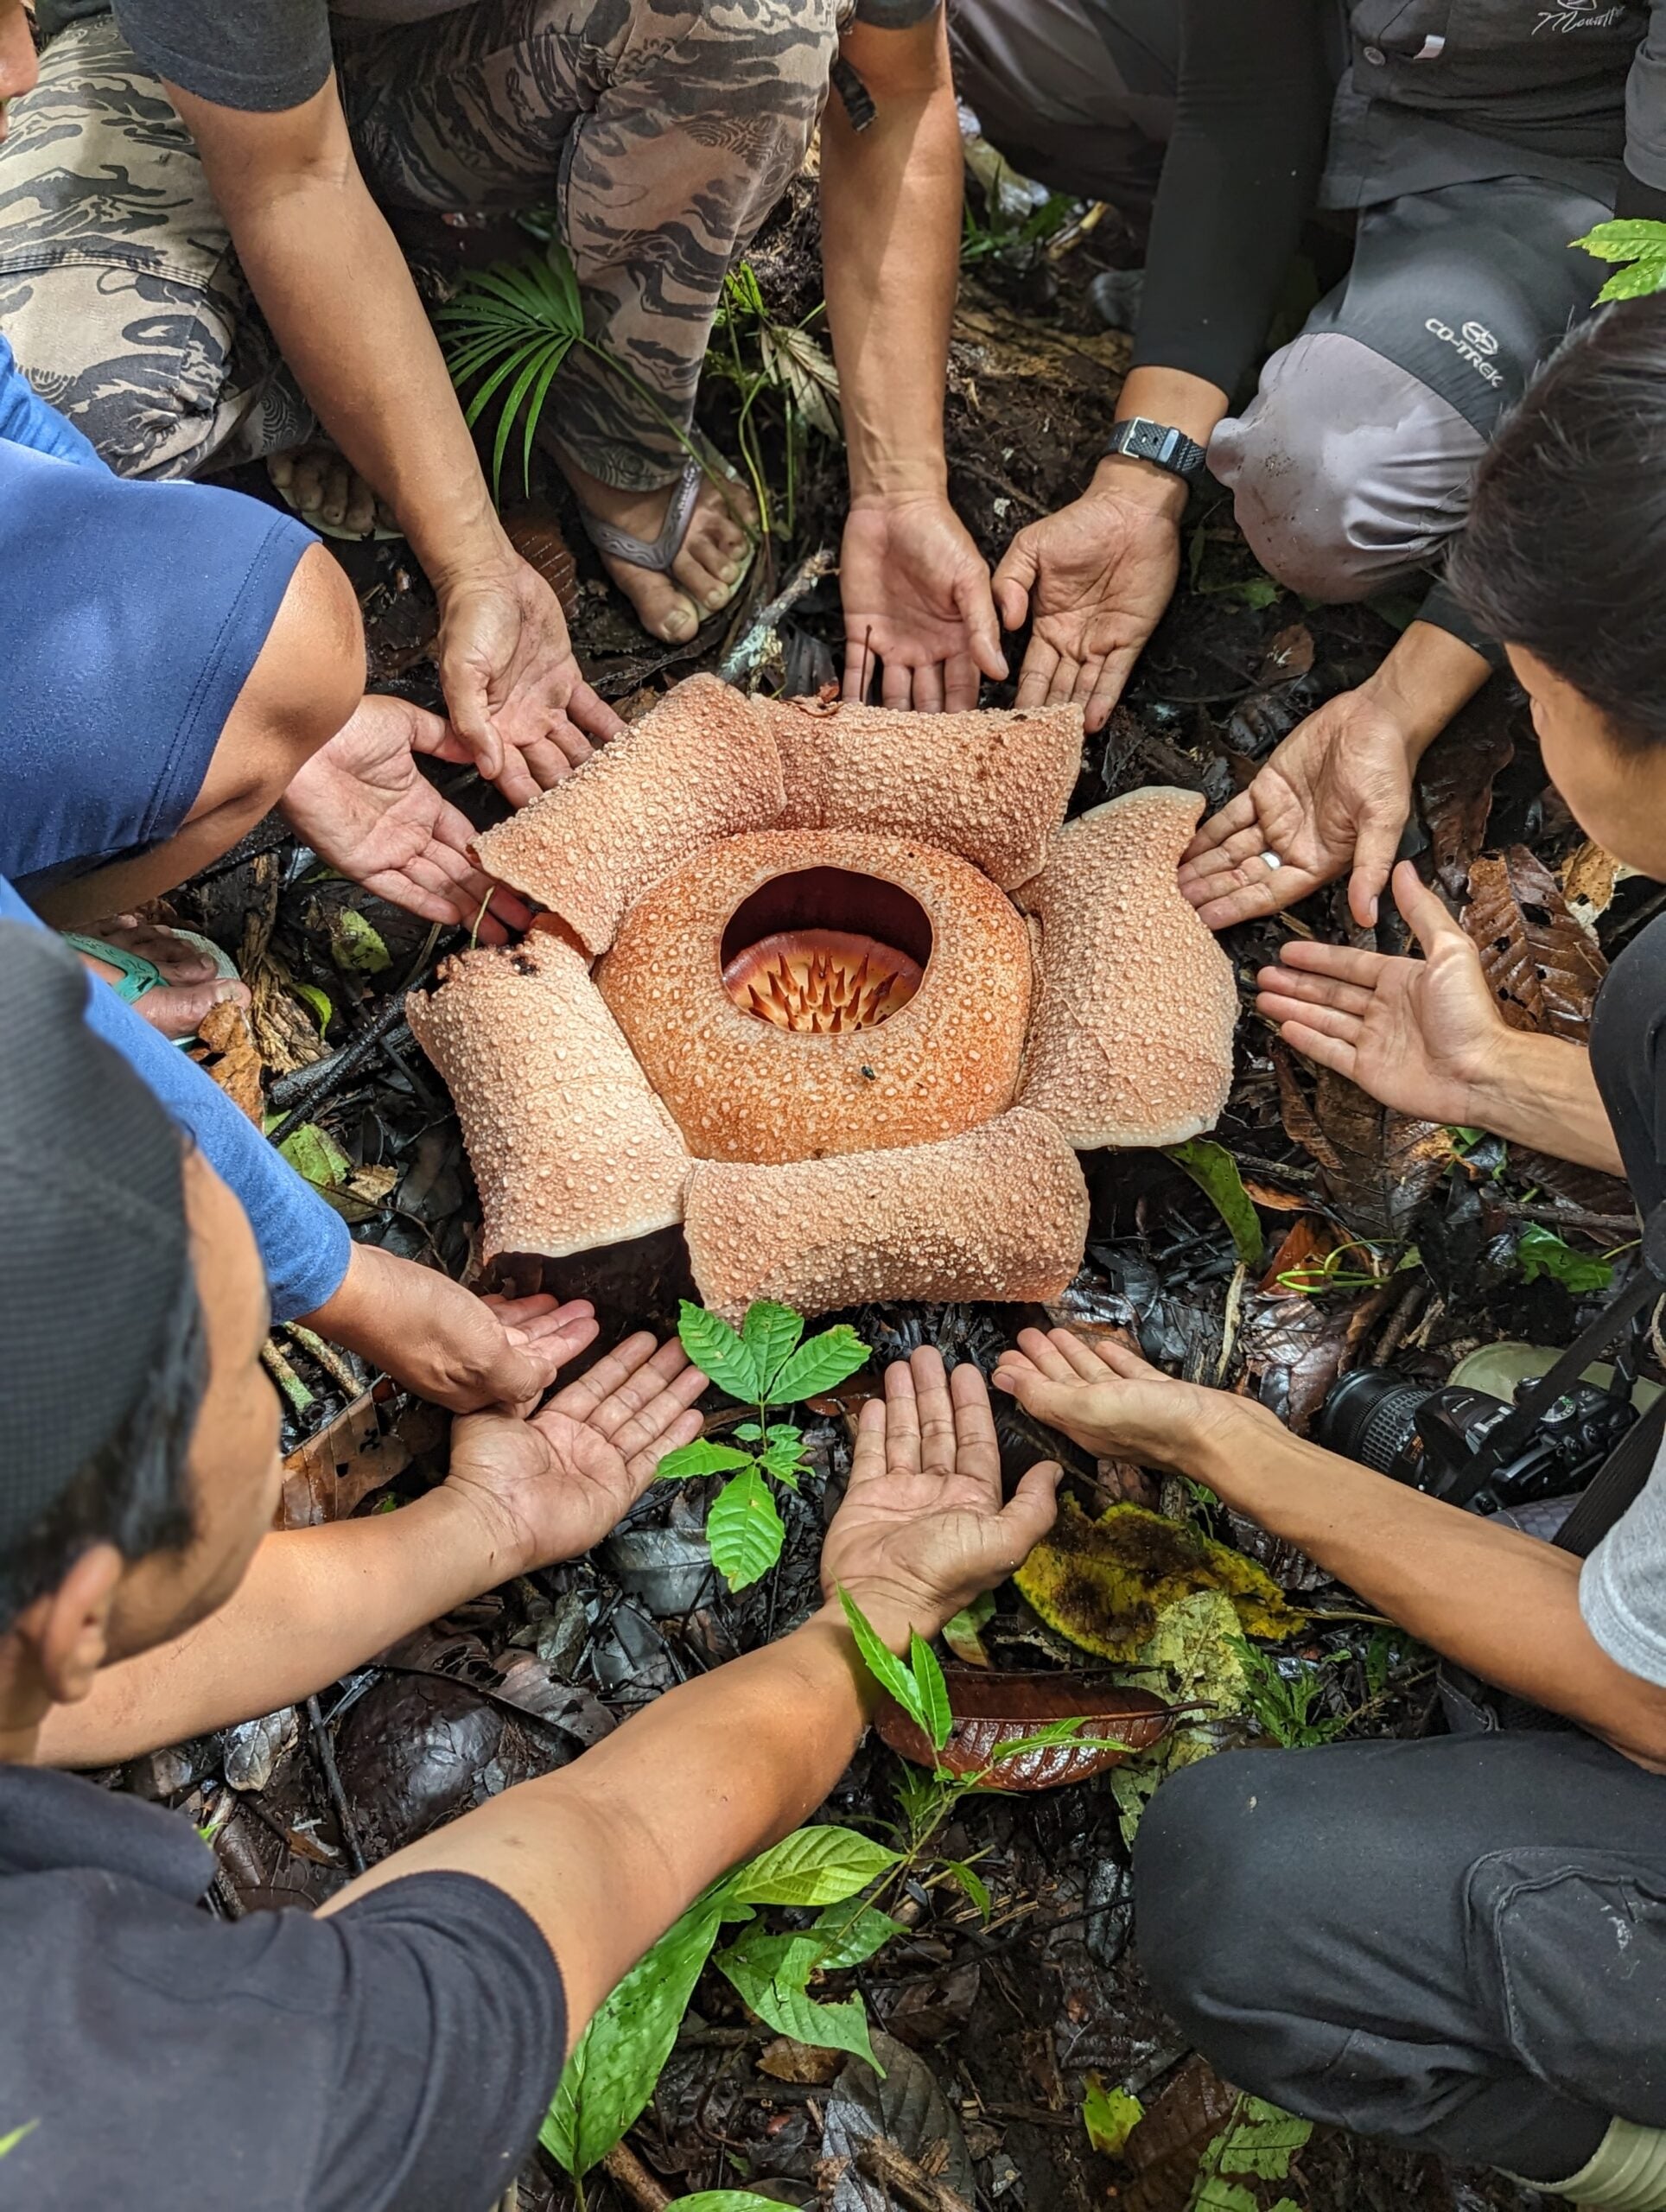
1271, 860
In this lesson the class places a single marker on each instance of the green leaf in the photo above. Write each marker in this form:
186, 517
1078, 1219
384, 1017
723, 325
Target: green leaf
716, 1349
356, 944
964, 1634
1636, 282
1628, 239
749, 1433
769, 1974
744, 1529
317, 1003
1215, 1171
700, 1457
1260, 2142
771, 1334
1045, 1739
846, 1938
816, 1366
887, 1671
1109, 2116
783, 1431
972, 1884
607, 2082
314, 1154
818, 1865
785, 1460
1213, 2195
9, 2142
724, 2200
1540, 1251
936, 1718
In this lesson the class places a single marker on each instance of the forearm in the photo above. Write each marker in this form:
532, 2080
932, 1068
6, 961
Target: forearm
604, 1853
314, 1603
890, 199
1424, 681
1540, 1091
333, 283
1498, 1602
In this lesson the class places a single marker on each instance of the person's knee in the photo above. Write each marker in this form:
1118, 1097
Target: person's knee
306, 682
1213, 1864
1347, 473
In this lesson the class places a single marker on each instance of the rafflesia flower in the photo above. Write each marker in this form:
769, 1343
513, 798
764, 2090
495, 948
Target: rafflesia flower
859, 995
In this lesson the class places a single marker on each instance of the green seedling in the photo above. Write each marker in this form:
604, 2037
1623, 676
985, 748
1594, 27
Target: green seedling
1259, 2140
1285, 1706
1639, 247
767, 1365
762, 356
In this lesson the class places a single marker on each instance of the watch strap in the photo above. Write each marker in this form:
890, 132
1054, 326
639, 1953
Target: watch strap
1160, 443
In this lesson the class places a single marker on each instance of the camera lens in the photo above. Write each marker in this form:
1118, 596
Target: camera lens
1371, 1416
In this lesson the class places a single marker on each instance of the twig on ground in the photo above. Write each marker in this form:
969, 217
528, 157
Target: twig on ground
750, 648
297, 1394
627, 2173
338, 1795
881, 2160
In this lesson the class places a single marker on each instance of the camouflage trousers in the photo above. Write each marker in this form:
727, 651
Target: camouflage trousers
660, 131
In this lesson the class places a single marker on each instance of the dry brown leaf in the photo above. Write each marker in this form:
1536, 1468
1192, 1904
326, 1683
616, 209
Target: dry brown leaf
327, 1477
1308, 1242
1589, 880
230, 1055
1290, 654
1542, 967
536, 537
1454, 783
1376, 1166
786, 2060
1164, 2148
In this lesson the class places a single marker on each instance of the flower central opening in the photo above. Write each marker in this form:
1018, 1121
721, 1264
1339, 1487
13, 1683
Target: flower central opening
823, 950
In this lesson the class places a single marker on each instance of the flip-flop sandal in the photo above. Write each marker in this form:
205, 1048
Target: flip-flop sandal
376, 534
140, 976
658, 554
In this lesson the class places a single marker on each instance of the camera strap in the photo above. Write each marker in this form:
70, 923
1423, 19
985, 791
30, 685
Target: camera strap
1622, 1475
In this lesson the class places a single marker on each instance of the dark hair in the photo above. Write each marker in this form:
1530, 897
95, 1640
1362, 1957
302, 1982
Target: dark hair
1565, 550
135, 1492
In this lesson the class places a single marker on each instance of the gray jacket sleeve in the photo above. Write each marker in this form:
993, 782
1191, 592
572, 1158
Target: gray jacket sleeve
1643, 186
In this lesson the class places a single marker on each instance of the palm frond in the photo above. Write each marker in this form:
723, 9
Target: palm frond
513, 325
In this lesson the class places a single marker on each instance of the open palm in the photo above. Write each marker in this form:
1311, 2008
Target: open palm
1417, 1034
1335, 796
923, 1528
553, 1484
915, 592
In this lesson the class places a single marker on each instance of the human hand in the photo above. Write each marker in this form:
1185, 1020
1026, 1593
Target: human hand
1336, 791
445, 1343
518, 702
922, 1529
1422, 1036
550, 1485
916, 596
1093, 580
1116, 1404
363, 805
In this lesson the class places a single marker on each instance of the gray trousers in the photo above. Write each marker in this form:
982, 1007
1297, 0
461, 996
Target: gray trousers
1350, 467
1457, 1944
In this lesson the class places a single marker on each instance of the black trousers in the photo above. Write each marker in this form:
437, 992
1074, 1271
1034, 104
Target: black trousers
1458, 1944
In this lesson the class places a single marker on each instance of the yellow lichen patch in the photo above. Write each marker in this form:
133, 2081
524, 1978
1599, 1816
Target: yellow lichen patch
1104, 1583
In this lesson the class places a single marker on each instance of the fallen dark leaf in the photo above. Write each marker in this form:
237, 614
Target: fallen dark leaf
1542, 966
1454, 782
325, 1477
536, 537
229, 1053
993, 1709
903, 2108
786, 2060
924, 2012
1178, 2128
1295, 1347
1376, 1166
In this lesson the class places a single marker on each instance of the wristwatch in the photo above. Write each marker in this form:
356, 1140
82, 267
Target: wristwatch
1160, 442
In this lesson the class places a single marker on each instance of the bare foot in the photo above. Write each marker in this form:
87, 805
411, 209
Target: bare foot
327, 492
709, 563
190, 984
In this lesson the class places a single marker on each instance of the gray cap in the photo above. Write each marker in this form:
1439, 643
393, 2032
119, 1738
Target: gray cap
93, 1244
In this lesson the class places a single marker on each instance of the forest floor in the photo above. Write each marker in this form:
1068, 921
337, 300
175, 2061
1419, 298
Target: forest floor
1380, 1241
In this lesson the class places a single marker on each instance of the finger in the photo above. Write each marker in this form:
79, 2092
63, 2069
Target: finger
960, 684
935, 1411
1123, 1360
1012, 582
859, 666
1376, 843
1324, 1051
1228, 855
1422, 909
1045, 675
1082, 1360
976, 606
641, 1466
661, 1412
1237, 815
590, 715
868, 1457
896, 684
512, 777
579, 1399
669, 1369
1329, 1021
1318, 989
516, 1313
929, 688
466, 707
550, 760
1274, 889
978, 1453
1113, 674
1044, 1355
1031, 1510
1343, 963
902, 1448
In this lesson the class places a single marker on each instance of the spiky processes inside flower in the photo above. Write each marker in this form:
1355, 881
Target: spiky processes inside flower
820, 981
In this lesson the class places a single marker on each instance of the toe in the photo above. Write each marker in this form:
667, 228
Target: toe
180, 1011
706, 586
337, 491
663, 611
360, 514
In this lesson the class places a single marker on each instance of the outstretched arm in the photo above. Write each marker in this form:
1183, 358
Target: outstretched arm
1501, 1604
606, 1852
316, 1603
915, 588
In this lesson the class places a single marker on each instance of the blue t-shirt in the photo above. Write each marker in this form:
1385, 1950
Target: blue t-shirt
304, 1245
27, 420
